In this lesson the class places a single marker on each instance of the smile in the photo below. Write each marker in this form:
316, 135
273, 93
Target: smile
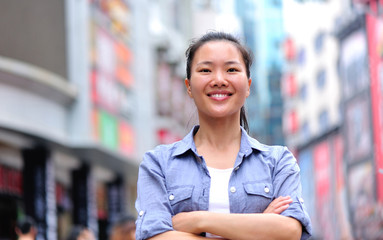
219, 95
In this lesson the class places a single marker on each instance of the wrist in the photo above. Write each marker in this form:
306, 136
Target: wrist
201, 220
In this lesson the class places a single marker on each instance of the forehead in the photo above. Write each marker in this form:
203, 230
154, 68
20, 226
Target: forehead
218, 49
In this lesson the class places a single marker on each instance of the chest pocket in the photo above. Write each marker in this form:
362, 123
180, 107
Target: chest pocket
259, 196
180, 198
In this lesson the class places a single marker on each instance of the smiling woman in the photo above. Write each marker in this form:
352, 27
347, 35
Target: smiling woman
218, 182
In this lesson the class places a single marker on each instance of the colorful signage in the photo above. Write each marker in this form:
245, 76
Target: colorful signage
111, 77
375, 53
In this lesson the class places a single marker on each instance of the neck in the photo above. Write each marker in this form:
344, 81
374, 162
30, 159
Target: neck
218, 134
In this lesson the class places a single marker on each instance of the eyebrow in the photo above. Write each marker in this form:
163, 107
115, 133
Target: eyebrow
211, 63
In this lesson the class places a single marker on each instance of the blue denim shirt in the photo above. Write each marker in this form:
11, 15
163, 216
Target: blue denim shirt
174, 178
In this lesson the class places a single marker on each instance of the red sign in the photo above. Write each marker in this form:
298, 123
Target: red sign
289, 85
127, 138
289, 49
322, 180
10, 181
375, 52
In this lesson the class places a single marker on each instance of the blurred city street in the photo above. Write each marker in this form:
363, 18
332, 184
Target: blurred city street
88, 86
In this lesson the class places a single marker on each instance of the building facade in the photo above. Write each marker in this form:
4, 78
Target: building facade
333, 65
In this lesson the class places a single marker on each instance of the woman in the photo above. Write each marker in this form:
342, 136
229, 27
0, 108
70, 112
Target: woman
219, 182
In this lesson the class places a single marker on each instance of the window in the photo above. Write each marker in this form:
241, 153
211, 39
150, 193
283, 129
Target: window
301, 57
323, 121
319, 39
303, 92
321, 78
305, 131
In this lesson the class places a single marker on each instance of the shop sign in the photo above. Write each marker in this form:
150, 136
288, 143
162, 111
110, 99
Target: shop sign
375, 53
108, 129
10, 181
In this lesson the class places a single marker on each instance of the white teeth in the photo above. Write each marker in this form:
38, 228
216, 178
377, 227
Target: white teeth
218, 95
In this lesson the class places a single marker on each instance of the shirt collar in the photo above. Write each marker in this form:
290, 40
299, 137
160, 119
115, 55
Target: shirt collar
247, 143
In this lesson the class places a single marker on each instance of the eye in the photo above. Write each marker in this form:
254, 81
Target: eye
204, 70
232, 70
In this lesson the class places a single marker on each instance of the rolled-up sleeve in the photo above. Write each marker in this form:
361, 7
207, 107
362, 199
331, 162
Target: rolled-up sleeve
152, 205
287, 182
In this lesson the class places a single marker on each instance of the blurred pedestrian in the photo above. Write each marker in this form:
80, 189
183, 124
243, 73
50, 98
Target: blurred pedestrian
81, 233
124, 228
218, 181
26, 229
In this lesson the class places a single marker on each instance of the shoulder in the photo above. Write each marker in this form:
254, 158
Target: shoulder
277, 154
274, 151
163, 152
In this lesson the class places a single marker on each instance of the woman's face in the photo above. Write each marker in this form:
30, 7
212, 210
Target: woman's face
218, 82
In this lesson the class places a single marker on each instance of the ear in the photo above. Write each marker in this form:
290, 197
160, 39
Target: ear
248, 90
188, 87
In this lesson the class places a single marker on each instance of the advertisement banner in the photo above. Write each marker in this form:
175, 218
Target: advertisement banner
353, 64
116, 198
39, 192
323, 192
375, 53
306, 164
111, 78
358, 128
341, 210
367, 220
84, 199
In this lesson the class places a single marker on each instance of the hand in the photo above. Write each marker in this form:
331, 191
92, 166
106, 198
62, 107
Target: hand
278, 205
187, 222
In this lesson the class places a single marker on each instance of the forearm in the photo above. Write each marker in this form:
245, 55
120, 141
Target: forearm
250, 226
176, 235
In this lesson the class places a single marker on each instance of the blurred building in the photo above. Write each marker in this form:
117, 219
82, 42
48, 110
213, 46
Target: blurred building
332, 105
264, 104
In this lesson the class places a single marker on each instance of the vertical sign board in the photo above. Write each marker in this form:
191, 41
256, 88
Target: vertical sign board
111, 78
39, 191
340, 198
305, 158
83, 195
359, 145
116, 199
375, 53
322, 182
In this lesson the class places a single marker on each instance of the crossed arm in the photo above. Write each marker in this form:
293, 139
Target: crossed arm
267, 225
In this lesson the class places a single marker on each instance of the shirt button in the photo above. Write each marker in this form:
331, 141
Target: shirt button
141, 213
232, 189
301, 200
171, 197
267, 190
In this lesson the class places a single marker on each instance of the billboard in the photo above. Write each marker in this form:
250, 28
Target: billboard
375, 53
111, 77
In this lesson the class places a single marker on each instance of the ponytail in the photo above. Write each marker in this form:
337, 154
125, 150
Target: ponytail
243, 119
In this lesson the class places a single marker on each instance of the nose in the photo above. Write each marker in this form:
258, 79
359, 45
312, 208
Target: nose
219, 80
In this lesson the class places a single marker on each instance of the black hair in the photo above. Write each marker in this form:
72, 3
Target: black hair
25, 224
221, 36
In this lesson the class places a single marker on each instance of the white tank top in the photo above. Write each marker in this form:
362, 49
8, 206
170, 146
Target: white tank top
219, 195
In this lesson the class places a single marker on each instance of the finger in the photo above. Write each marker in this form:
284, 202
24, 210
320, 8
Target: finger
280, 202
281, 209
277, 210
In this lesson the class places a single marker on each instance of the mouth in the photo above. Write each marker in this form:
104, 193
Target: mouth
219, 95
